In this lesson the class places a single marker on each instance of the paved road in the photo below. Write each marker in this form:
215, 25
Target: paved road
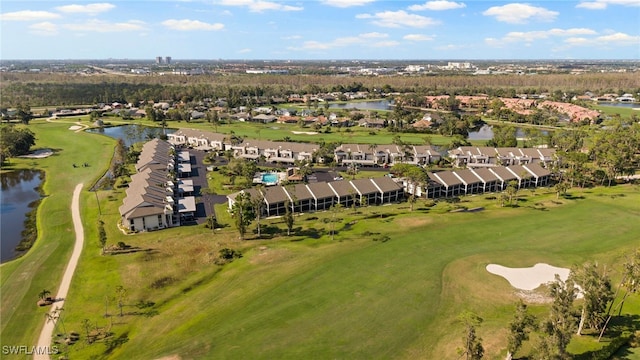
204, 208
44, 342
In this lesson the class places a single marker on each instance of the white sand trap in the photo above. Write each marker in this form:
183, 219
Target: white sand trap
75, 127
305, 132
38, 154
529, 278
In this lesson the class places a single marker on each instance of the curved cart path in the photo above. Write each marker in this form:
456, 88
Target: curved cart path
44, 342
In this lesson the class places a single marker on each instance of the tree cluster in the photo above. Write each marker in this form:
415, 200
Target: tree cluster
565, 320
15, 141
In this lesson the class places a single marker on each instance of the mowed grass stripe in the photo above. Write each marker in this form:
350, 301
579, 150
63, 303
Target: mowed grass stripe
361, 299
42, 267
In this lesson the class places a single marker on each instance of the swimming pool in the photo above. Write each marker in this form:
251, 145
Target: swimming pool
269, 178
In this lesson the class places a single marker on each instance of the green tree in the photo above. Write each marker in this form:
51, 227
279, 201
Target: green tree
511, 191
614, 149
242, 213
15, 141
472, 348
150, 112
560, 324
257, 204
503, 136
24, 113
597, 294
288, 217
335, 210
102, 235
630, 282
44, 294
121, 295
519, 329
415, 177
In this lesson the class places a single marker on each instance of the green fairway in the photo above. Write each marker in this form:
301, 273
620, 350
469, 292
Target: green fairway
42, 267
342, 135
624, 112
305, 295
353, 297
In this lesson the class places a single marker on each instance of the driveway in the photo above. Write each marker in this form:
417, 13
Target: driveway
205, 201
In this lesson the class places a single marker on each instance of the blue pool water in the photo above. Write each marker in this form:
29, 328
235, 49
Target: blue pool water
269, 178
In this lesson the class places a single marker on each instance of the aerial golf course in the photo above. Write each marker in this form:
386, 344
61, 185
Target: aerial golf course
390, 283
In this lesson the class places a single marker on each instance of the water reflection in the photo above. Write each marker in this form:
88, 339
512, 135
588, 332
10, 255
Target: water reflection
19, 191
131, 134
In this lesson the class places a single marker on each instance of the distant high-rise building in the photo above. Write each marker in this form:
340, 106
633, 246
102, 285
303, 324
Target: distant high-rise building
167, 60
158, 59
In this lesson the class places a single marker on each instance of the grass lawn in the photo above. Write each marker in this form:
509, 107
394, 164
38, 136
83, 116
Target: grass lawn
305, 295
42, 267
624, 112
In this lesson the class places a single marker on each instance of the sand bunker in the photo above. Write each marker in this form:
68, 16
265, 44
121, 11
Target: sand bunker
529, 278
38, 154
75, 127
305, 132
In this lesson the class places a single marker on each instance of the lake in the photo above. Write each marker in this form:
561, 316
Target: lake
363, 105
19, 190
620, 104
486, 133
131, 134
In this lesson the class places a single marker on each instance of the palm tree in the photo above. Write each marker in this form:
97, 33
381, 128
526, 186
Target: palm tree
372, 148
44, 294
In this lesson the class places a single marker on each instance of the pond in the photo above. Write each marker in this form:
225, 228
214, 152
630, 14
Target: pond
620, 104
364, 105
19, 191
131, 134
486, 133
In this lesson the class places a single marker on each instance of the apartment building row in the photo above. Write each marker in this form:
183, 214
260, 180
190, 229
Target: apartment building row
319, 196
485, 156
160, 195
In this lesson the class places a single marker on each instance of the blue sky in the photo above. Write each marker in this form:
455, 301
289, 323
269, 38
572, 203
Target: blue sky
320, 29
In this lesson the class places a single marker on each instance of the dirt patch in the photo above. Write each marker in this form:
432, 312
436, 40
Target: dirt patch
305, 132
170, 357
266, 255
533, 297
411, 222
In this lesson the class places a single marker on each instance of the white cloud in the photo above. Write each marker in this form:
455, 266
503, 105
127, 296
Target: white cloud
530, 36
190, 25
374, 35
373, 39
396, 19
244, 51
28, 15
577, 41
260, 5
602, 42
86, 9
45, 28
618, 39
417, 37
438, 5
602, 4
346, 3
100, 26
449, 47
387, 43
292, 37
517, 13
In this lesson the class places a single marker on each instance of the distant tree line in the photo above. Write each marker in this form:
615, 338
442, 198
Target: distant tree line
61, 90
